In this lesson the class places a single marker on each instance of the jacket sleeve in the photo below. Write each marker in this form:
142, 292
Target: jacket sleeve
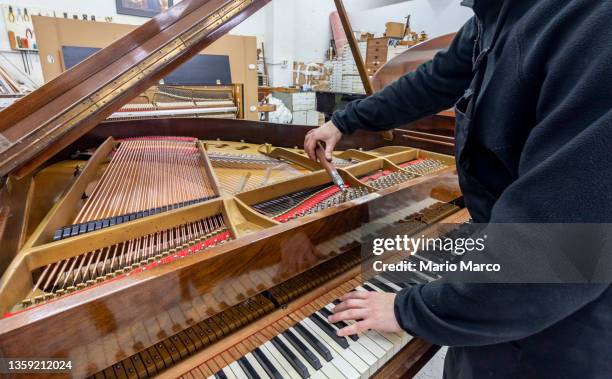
564, 176
436, 85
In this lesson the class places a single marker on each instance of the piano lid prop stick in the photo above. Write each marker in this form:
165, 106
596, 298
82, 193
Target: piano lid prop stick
329, 167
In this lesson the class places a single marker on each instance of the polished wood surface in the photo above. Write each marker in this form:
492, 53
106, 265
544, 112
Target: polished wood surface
278, 135
409, 60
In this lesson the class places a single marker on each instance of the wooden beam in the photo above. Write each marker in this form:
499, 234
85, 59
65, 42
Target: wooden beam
350, 36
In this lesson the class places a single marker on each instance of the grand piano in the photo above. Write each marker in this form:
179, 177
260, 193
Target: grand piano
196, 247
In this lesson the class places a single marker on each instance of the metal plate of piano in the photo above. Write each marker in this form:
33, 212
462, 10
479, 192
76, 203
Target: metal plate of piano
119, 292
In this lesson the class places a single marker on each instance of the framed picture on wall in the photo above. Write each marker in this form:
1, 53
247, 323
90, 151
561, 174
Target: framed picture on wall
144, 8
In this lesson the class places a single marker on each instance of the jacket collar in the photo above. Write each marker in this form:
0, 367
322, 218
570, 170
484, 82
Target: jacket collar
483, 7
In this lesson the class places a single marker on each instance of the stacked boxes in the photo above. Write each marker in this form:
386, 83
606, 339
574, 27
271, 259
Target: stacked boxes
345, 77
303, 105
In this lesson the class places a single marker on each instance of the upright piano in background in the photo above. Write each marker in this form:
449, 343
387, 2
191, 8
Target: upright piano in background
195, 247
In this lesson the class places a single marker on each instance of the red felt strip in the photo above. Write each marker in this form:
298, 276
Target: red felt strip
308, 204
412, 163
171, 258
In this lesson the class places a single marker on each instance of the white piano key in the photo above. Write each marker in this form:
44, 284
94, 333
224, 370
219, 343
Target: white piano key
389, 283
235, 367
384, 344
314, 373
281, 360
277, 365
365, 355
353, 354
327, 368
229, 373
253, 361
339, 360
333, 347
366, 342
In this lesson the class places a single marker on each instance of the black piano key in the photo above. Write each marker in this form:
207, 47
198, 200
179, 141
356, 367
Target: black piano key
91, 226
302, 349
329, 330
369, 288
66, 232
340, 324
314, 342
82, 228
266, 364
406, 277
105, 223
248, 368
382, 285
291, 358
57, 235
417, 262
220, 375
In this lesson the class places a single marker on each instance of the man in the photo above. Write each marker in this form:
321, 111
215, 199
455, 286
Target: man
532, 83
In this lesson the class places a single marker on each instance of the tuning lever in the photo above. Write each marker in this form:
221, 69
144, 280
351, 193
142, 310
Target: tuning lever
329, 167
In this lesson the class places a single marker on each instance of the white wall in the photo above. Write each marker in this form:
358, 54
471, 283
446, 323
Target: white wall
12, 61
436, 17
304, 34
292, 30
100, 8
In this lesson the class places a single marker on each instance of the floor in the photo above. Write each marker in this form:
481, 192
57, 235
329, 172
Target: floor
434, 368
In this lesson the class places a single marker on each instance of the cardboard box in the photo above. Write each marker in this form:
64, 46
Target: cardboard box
311, 118
310, 74
395, 30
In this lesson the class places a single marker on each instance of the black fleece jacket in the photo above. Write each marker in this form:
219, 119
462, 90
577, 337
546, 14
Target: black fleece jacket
532, 80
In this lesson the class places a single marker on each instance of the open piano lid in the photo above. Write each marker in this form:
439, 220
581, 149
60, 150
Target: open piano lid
43, 123
410, 60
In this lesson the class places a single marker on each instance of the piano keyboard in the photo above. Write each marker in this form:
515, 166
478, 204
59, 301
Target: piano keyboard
304, 344
307, 325
140, 181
